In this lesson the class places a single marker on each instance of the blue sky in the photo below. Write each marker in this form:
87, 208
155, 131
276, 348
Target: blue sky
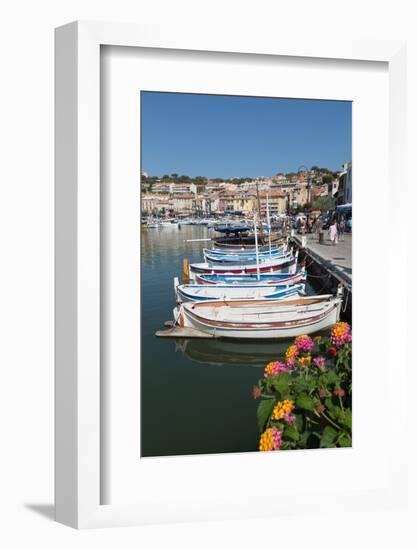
233, 136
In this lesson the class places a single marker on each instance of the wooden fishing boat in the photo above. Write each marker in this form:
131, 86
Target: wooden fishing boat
260, 318
239, 258
245, 248
248, 253
248, 242
287, 263
232, 228
275, 279
198, 292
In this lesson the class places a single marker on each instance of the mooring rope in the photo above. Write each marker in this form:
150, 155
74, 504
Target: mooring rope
344, 308
327, 278
318, 276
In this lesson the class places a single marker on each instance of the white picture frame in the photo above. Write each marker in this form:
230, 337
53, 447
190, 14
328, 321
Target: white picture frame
78, 259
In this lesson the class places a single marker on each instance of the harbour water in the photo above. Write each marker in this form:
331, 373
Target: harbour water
195, 394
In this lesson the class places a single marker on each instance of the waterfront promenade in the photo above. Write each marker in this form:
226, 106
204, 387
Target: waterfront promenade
337, 259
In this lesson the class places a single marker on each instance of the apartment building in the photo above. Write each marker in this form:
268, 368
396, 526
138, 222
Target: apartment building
344, 193
277, 202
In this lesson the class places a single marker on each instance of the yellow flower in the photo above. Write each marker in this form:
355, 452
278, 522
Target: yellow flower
305, 361
270, 440
274, 368
291, 354
282, 409
341, 334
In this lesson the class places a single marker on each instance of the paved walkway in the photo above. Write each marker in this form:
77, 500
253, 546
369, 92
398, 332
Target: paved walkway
339, 255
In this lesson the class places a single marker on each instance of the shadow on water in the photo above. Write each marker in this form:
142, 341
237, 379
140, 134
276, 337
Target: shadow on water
230, 352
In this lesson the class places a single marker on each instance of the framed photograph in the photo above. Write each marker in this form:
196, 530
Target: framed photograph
218, 279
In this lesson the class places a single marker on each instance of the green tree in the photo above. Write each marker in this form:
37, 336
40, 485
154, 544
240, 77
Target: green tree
322, 203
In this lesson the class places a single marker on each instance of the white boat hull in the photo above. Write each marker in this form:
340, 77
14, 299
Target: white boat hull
223, 259
195, 293
271, 279
287, 264
260, 319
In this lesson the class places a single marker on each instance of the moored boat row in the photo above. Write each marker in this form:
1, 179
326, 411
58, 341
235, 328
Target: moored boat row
250, 293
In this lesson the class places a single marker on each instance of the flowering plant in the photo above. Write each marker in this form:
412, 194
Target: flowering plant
306, 397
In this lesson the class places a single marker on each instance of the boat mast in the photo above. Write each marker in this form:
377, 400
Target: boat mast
256, 245
259, 202
268, 221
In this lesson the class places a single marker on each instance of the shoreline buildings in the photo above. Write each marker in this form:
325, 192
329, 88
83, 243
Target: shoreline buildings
285, 193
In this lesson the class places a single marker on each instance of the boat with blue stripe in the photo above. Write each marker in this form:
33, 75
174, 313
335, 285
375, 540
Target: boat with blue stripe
287, 263
277, 279
244, 258
248, 253
225, 292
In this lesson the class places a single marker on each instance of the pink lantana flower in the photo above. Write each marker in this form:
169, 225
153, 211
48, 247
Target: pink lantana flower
290, 418
304, 343
341, 334
319, 361
274, 368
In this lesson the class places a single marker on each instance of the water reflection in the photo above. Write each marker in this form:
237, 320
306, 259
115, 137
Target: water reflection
230, 352
193, 400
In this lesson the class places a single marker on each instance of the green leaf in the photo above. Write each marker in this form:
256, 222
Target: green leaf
290, 432
283, 385
347, 421
328, 437
285, 378
305, 402
345, 441
277, 424
304, 439
332, 377
264, 412
329, 403
300, 385
299, 423
338, 415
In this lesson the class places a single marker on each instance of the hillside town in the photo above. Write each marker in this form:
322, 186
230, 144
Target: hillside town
178, 196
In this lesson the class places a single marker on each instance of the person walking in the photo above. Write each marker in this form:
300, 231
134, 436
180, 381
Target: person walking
349, 225
333, 232
342, 228
318, 227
